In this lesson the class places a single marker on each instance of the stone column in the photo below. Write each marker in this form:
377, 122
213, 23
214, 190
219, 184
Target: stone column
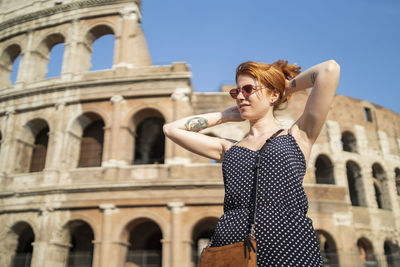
55, 156
117, 145
187, 253
77, 53
130, 45
175, 154
109, 250
166, 253
384, 144
27, 64
41, 244
9, 144
176, 233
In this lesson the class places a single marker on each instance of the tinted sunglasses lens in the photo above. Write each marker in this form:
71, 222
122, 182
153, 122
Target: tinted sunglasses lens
234, 93
247, 89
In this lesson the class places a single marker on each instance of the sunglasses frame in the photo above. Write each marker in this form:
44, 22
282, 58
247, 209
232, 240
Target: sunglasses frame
234, 92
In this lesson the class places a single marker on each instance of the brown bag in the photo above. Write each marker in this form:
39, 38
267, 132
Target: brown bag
234, 255
241, 254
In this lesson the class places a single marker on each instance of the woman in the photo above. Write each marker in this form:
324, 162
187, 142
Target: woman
284, 234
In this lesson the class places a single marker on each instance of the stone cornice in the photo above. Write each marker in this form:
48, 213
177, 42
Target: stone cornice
163, 184
115, 82
60, 9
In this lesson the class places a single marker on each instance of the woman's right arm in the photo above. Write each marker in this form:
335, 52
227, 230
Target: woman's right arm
184, 132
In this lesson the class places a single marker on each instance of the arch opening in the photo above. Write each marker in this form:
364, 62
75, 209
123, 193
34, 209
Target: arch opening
102, 56
101, 39
32, 147
355, 184
328, 248
19, 243
201, 236
150, 139
381, 187
392, 254
81, 236
48, 57
349, 142
145, 248
366, 252
397, 180
91, 151
9, 65
39, 152
324, 170
54, 65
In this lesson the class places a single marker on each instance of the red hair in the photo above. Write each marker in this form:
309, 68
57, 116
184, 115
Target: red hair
272, 75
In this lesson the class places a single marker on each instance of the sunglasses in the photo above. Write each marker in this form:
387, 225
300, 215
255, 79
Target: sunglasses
246, 90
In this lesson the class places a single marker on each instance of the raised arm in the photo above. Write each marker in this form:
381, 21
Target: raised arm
324, 79
184, 132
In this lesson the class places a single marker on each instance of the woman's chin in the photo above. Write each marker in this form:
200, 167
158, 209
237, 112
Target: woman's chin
244, 116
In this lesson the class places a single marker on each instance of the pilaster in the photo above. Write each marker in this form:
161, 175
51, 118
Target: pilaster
130, 46
109, 249
117, 139
176, 209
55, 155
9, 144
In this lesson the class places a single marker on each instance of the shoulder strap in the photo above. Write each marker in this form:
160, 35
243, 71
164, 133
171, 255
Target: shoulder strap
255, 186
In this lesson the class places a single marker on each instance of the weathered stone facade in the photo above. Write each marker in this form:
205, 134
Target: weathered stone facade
86, 175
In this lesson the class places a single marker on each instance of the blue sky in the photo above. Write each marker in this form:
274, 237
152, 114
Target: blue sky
214, 36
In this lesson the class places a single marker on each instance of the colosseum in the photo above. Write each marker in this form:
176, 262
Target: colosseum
87, 177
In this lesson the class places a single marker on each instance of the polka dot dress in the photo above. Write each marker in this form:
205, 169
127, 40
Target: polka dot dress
284, 234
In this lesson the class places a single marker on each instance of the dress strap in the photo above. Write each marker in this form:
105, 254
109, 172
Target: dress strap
274, 135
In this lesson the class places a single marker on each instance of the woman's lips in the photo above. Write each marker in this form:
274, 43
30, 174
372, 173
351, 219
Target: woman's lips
242, 106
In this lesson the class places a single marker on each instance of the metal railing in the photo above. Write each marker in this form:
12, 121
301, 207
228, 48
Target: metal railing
22, 260
144, 258
80, 259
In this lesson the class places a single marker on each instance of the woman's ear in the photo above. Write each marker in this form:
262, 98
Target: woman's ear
274, 97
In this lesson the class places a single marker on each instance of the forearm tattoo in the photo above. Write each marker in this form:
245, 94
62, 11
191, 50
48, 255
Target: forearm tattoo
196, 124
313, 77
293, 84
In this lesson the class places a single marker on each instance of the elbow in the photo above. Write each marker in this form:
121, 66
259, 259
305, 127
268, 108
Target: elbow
167, 129
332, 66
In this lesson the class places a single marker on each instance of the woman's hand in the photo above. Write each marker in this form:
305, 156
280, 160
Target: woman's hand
288, 89
231, 114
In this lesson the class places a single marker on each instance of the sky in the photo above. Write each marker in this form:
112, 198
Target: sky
214, 36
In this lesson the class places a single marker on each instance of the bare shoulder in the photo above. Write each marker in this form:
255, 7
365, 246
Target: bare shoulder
302, 140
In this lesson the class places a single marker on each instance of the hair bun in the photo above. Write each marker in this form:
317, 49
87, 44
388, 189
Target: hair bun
290, 71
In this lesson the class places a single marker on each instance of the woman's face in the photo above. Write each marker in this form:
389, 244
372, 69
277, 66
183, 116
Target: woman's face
256, 105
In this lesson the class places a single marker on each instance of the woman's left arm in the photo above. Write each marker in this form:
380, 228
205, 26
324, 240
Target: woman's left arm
324, 79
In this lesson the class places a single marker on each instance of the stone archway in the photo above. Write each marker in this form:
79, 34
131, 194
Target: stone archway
32, 147
80, 238
150, 140
366, 252
324, 170
18, 249
328, 248
355, 184
381, 187
145, 247
349, 142
7, 60
201, 236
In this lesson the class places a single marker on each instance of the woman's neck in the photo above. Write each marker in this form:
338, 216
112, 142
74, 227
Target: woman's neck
263, 126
